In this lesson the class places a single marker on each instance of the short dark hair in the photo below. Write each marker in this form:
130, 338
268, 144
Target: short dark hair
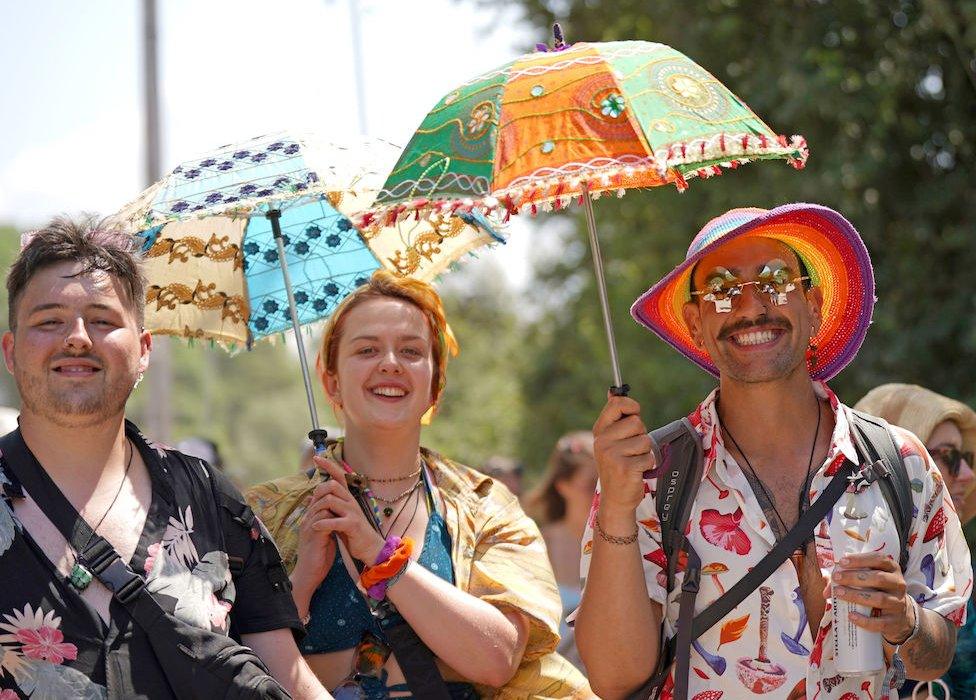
94, 242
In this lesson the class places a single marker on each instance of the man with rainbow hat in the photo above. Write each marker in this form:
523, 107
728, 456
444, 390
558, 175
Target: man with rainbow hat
794, 498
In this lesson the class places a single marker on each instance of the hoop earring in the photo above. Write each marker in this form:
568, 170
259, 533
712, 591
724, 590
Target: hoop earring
811, 358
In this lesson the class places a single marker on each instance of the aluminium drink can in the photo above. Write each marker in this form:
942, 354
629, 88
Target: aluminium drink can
857, 651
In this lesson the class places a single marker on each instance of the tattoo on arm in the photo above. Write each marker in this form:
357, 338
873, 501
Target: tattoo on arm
933, 647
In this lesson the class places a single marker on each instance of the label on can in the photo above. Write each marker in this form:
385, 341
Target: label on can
857, 651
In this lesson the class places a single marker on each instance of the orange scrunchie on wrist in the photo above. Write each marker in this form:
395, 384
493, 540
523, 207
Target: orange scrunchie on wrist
385, 570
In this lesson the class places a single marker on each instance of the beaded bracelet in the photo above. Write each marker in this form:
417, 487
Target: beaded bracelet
612, 539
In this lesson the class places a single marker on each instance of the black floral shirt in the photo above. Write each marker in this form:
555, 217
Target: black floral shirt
54, 645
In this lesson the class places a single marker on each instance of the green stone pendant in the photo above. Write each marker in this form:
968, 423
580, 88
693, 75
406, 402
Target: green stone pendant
79, 577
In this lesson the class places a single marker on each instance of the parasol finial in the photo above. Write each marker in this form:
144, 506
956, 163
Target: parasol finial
558, 43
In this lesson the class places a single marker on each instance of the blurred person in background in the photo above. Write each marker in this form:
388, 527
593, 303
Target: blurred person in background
561, 505
506, 470
208, 450
948, 429
204, 449
420, 545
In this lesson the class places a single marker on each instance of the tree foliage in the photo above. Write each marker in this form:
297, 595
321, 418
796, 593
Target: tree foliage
9, 246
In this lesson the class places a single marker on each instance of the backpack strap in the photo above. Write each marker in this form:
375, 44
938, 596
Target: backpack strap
680, 458
876, 445
780, 553
243, 531
241, 514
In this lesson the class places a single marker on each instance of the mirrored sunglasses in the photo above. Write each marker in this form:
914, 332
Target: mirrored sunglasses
775, 279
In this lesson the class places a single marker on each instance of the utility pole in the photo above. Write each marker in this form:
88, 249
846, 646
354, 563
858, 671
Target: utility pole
160, 411
356, 33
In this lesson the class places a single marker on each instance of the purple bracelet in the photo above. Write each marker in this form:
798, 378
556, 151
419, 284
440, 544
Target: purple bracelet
378, 590
392, 542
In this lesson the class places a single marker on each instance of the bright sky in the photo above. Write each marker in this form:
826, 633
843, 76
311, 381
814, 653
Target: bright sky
71, 94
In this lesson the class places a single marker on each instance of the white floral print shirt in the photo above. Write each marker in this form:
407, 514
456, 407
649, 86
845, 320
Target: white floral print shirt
730, 533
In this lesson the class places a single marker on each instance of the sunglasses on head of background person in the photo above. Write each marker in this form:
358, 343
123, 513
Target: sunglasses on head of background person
951, 458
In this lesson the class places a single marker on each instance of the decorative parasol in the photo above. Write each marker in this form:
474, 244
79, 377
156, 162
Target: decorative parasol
253, 239
568, 123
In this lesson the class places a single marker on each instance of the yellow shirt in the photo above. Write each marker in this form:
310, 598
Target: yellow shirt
498, 556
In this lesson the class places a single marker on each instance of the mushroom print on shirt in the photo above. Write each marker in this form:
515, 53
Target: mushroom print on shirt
764, 646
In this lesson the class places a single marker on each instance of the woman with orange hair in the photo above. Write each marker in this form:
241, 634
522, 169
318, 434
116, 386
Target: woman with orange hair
403, 562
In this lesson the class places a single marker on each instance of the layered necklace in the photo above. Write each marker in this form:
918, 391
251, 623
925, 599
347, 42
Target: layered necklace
389, 504
389, 511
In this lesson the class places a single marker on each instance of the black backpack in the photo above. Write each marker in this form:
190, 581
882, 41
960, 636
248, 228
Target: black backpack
680, 463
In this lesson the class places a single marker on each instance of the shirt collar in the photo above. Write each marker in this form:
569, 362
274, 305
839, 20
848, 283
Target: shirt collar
705, 420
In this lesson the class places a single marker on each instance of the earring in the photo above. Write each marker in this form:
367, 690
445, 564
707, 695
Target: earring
811, 358
138, 381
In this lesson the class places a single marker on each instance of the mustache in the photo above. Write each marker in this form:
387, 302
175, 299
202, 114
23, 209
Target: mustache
92, 357
746, 324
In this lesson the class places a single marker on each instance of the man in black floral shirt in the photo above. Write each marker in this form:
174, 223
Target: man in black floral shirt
76, 348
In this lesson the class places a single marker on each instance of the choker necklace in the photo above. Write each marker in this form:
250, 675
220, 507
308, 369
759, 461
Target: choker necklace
363, 482
392, 480
80, 575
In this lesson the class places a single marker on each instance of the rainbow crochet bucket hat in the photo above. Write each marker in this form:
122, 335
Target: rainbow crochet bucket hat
836, 260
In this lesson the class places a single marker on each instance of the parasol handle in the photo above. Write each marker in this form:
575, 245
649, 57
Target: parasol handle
274, 216
318, 436
618, 388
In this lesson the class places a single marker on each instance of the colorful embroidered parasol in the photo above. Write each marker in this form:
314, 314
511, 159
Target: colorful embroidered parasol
569, 123
253, 239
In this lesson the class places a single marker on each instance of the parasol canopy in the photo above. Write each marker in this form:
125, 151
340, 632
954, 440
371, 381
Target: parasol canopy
253, 239
566, 124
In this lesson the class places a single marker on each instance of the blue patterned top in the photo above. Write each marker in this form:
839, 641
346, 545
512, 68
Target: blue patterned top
339, 614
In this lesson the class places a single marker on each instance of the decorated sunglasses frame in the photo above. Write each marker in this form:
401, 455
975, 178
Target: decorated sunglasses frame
774, 279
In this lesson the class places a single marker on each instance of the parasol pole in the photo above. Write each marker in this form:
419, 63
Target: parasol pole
316, 435
618, 388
